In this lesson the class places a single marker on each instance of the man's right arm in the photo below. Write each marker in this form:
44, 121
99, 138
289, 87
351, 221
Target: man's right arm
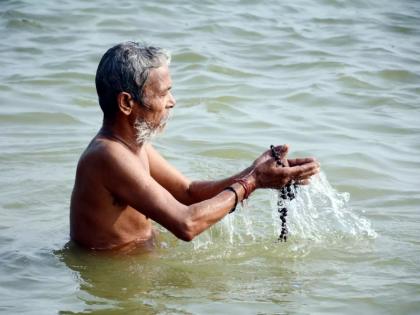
123, 178
132, 184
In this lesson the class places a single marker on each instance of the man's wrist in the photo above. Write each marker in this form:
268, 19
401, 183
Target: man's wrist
248, 184
230, 188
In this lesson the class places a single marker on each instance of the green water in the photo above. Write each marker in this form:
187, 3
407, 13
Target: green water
339, 80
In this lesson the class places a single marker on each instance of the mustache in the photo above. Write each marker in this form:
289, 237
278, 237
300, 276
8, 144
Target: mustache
165, 119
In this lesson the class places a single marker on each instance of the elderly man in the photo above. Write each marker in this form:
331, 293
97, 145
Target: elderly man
122, 182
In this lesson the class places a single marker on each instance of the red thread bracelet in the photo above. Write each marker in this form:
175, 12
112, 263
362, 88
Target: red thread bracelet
246, 187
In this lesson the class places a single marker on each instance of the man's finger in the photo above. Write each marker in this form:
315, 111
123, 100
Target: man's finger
282, 150
300, 161
304, 171
306, 181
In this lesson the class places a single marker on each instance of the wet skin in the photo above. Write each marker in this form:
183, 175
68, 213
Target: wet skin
121, 186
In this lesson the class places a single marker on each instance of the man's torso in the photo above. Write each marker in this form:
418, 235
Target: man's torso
98, 218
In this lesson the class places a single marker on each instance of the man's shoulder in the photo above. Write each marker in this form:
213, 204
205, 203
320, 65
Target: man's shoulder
104, 152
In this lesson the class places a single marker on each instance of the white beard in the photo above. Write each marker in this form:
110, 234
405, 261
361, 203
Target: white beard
145, 131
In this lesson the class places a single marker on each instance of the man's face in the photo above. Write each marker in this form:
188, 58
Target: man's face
158, 101
157, 97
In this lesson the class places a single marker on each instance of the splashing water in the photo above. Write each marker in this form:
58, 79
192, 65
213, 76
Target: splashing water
321, 213
237, 228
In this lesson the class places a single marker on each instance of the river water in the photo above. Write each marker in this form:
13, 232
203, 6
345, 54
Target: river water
335, 79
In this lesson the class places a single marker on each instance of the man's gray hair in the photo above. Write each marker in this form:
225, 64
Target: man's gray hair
126, 68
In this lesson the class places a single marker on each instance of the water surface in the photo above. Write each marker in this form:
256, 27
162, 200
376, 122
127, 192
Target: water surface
339, 80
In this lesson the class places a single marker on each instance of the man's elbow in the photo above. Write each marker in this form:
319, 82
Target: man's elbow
188, 231
186, 237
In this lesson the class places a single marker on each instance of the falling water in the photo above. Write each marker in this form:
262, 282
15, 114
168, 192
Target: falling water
321, 213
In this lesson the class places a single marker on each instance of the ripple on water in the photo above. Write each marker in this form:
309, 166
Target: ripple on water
189, 57
399, 75
38, 118
24, 24
30, 50
356, 82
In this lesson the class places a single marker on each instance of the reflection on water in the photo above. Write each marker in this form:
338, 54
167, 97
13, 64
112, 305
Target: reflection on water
110, 280
152, 282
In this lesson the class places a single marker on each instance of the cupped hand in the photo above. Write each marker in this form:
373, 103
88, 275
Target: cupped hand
267, 174
302, 169
282, 151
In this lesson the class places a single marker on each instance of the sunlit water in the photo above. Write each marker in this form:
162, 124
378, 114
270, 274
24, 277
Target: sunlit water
339, 80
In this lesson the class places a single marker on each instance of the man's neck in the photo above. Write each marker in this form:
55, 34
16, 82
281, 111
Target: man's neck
120, 132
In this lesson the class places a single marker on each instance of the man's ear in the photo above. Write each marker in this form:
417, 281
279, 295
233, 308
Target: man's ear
125, 102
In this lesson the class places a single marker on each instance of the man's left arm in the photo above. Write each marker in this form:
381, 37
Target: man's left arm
183, 189
190, 192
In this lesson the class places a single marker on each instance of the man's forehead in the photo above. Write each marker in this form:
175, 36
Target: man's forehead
160, 77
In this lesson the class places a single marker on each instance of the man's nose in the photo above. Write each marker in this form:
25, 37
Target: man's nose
172, 101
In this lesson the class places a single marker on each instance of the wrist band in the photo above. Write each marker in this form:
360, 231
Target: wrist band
236, 198
246, 187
